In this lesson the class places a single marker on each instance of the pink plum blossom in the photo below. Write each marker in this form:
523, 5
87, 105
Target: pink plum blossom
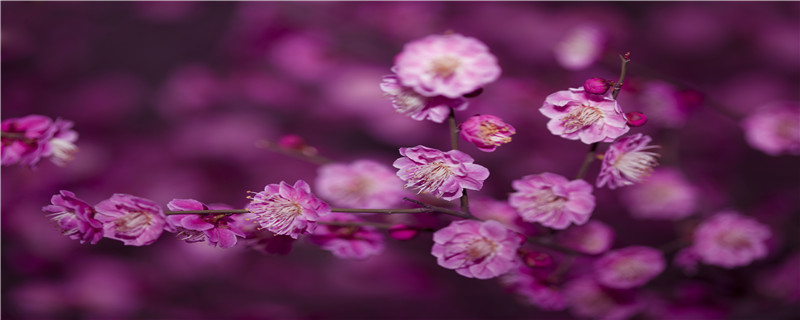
361, 184
442, 174
666, 195
286, 209
23, 140
552, 200
774, 129
60, 144
629, 267
408, 102
729, 239
533, 290
74, 217
486, 132
627, 161
217, 230
449, 65
581, 47
347, 241
594, 237
134, 221
476, 249
575, 114
588, 299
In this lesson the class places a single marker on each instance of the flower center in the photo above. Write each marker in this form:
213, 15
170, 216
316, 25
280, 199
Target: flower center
408, 101
636, 165
580, 118
733, 239
493, 134
133, 222
545, 200
190, 235
630, 269
278, 214
63, 150
479, 249
430, 176
445, 66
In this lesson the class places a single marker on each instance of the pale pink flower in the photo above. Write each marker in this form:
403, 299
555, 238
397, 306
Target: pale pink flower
665, 195
627, 161
60, 144
552, 200
594, 237
476, 249
218, 230
575, 114
449, 65
134, 221
587, 298
286, 209
533, 290
347, 241
361, 184
443, 174
408, 102
581, 47
729, 240
629, 267
74, 217
486, 132
774, 129
23, 140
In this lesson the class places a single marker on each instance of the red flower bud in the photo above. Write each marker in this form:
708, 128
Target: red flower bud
596, 86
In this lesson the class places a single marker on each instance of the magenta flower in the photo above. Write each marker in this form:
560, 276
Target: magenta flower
596, 85
23, 139
408, 102
774, 129
627, 161
449, 65
581, 47
346, 241
533, 290
729, 240
74, 217
134, 221
443, 174
361, 184
486, 132
60, 143
629, 267
217, 230
476, 249
666, 195
594, 237
575, 114
552, 200
286, 209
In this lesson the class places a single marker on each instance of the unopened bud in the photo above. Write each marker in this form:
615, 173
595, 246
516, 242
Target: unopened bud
535, 259
596, 86
402, 232
627, 56
636, 119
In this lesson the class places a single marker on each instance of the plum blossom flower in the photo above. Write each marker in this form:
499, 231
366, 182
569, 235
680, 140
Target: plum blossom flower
774, 129
629, 267
22, 140
449, 65
74, 217
535, 291
476, 249
486, 132
587, 298
575, 114
552, 200
361, 184
443, 174
594, 237
729, 240
217, 230
134, 221
408, 102
347, 241
581, 47
627, 161
666, 195
60, 143
286, 209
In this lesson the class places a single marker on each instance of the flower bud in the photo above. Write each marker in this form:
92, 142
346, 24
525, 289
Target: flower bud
596, 86
636, 119
402, 232
536, 259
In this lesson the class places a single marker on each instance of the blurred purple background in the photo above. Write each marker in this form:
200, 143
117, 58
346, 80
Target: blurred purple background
170, 97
